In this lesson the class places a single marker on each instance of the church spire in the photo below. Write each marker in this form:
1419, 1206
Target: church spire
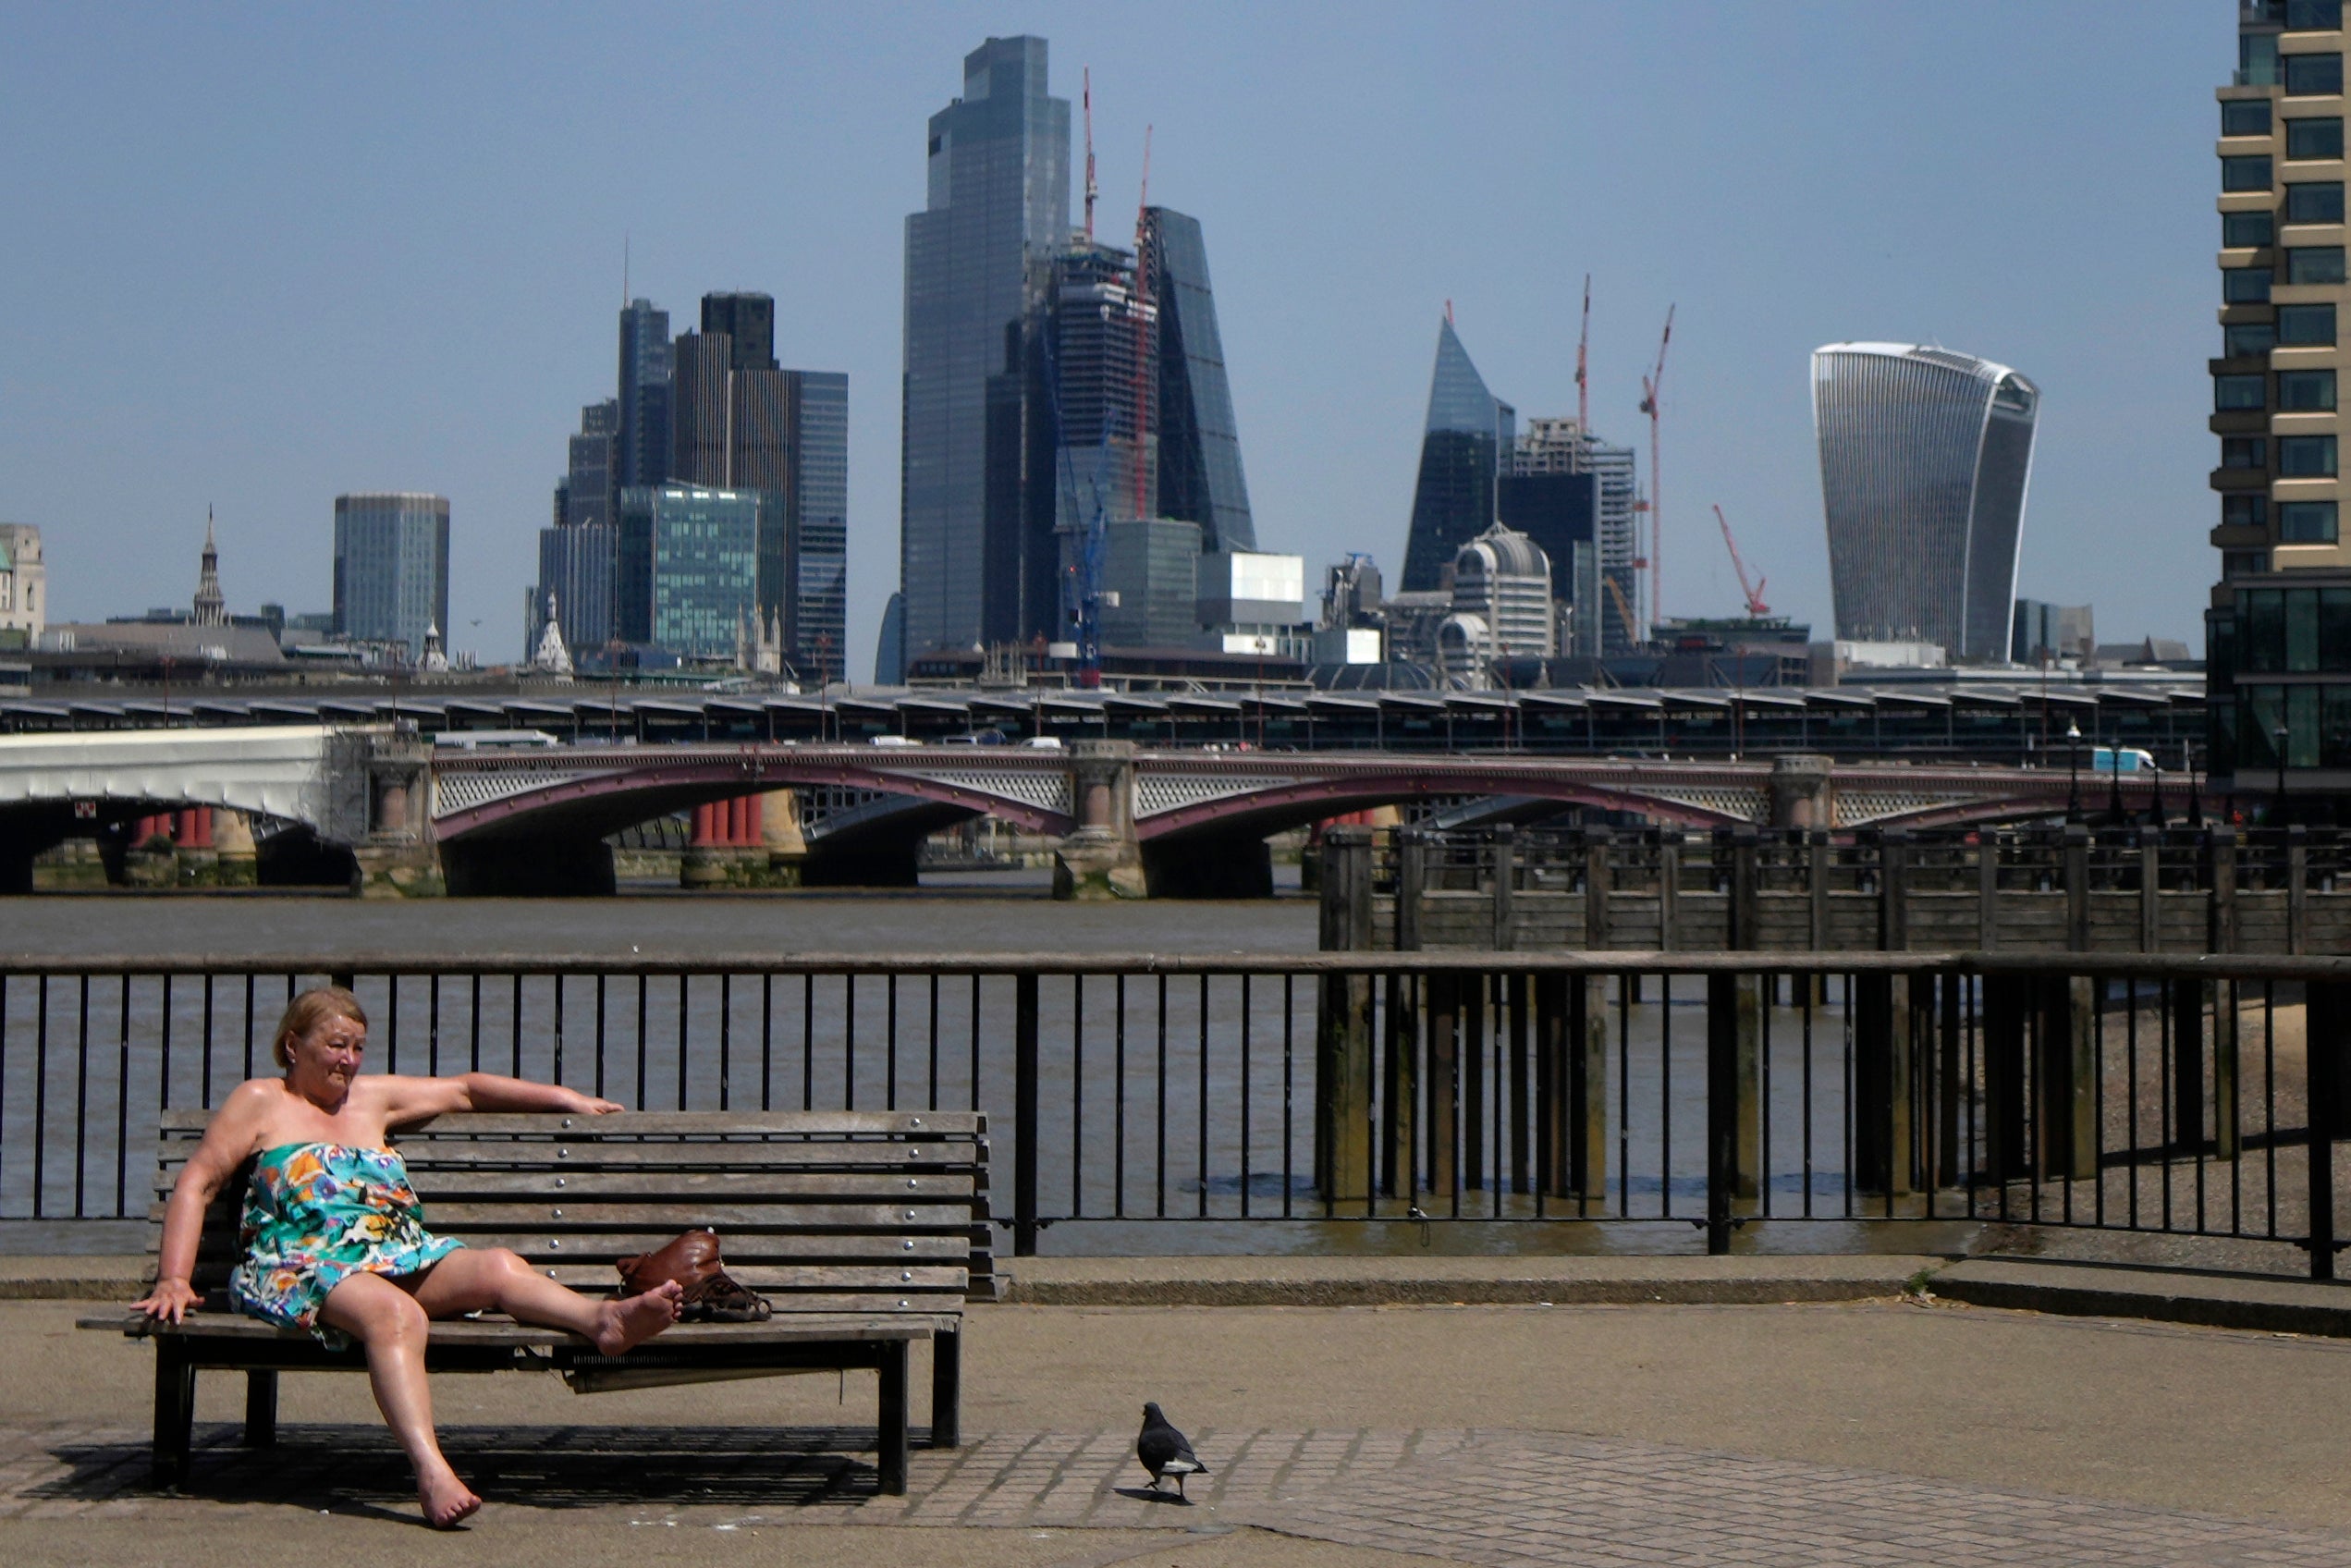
212, 609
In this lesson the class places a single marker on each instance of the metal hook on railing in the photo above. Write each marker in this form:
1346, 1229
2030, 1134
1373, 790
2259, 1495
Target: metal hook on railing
1414, 1213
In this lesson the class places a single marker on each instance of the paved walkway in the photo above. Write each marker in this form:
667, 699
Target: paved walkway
1486, 1497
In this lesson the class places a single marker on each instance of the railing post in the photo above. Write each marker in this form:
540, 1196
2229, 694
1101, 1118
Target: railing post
1817, 858
1748, 998
2186, 998
2327, 1030
2227, 1141
2006, 1009
2067, 1077
1571, 1032
1722, 1106
1516, 1004
2150, 887
1025, 1118
1444, 1081
1883, 1135
1987, 890
1412, 886
1950, 1086
1668, 888
1473, 1078
1343, 1071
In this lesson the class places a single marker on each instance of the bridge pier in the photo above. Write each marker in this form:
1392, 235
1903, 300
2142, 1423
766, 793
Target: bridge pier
1101, 858
748, 842
1801, 792
397, 858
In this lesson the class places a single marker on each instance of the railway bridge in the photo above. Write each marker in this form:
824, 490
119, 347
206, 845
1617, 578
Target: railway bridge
1130, 821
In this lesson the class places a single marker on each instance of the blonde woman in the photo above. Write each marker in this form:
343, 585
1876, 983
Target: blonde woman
334, 1236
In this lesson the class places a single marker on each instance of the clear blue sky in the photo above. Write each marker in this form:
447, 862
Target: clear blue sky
255, 256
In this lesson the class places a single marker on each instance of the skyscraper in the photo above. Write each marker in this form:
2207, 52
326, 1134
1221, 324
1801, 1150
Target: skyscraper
589, 482
818, 623
643, 395
2278, 633
688, 571
997, 201
1467, 438
732, 426
391, 566
1200, 478
1924, 458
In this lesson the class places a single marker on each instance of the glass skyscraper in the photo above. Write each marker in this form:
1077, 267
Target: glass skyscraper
688, 567
1468, 437
819, 512
998, 200
1924, 458
1200, 477
391, 566
644, 455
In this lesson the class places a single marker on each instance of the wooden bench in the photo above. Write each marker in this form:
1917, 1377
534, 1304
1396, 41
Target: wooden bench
868, 1231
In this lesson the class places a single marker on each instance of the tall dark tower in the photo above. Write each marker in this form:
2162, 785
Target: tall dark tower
1469, 434
997, 202
1200, 477
644, 394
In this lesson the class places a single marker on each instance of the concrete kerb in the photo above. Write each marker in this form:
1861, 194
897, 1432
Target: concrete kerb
2072, 1289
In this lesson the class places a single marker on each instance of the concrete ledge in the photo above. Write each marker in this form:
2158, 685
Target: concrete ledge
2090, 1290
103, 1278
1444, 1281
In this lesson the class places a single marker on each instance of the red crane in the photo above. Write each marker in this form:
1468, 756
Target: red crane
1754, 591
1583, 342
1142, 328
1650, 385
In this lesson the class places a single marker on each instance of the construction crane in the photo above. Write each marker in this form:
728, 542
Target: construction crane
1583, 342
1650, 385
1143, 330
1088, 79
1632, 628
1754, 591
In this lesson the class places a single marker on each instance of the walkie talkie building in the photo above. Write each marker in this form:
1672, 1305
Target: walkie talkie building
1924, 458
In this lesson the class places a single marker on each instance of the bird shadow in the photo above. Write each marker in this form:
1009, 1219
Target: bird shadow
1149, 1494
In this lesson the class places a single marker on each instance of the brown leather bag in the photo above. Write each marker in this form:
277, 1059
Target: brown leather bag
692, 1261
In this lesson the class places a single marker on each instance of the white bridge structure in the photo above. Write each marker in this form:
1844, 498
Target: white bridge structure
495, 818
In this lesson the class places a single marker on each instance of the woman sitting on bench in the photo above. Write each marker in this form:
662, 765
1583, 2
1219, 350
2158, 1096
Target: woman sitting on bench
334, 1236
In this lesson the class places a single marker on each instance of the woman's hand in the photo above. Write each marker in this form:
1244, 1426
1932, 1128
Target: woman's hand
169, 1301
591, 1105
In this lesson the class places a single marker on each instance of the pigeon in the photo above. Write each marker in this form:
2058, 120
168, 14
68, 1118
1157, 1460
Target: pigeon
1166, 1452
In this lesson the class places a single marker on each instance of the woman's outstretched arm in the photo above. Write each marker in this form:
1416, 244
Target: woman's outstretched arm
229, 1138
413, 1100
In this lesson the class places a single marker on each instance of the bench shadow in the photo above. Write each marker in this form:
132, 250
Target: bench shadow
357, 1469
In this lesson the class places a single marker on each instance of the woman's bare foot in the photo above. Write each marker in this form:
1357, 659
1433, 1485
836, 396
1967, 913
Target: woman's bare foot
446, 1501
635, 1320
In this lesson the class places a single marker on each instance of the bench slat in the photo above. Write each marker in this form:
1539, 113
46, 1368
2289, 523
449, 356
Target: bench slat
696, 1124
815, 1324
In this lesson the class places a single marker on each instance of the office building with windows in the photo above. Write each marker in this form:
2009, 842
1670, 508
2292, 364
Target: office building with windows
688, 567
2278, 633
577, 564
643, 432
998, 203
24, 588
1464, 444
817, 625
391, 567
1925, 456
1200, 477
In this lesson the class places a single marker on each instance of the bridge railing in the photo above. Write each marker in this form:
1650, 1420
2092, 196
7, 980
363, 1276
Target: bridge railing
1337, 1100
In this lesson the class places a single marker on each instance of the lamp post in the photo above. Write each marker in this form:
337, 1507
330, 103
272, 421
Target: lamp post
2278, 813
2073, 771
2195, 795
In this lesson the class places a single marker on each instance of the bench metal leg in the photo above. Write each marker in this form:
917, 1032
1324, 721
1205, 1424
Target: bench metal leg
947, 1390
260, 1409
174, 1411
893, 1418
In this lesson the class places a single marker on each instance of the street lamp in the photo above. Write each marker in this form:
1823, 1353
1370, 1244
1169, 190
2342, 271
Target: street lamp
2278, 736
2073, 771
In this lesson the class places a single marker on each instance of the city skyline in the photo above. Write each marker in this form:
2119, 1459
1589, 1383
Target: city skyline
471, 357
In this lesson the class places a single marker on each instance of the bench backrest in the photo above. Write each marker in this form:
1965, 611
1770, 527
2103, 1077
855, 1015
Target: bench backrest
851, 1211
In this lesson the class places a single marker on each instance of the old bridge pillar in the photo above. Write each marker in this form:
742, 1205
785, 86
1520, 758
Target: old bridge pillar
1802, 793
749, 841
1100, 859
391, 819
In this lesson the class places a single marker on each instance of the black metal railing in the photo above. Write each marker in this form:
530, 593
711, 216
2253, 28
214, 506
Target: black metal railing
2190, 1097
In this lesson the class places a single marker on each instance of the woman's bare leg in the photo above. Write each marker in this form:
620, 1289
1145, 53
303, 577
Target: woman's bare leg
478, 1279
392, 1326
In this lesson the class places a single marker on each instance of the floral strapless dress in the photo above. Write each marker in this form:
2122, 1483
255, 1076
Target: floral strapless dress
316, 1214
